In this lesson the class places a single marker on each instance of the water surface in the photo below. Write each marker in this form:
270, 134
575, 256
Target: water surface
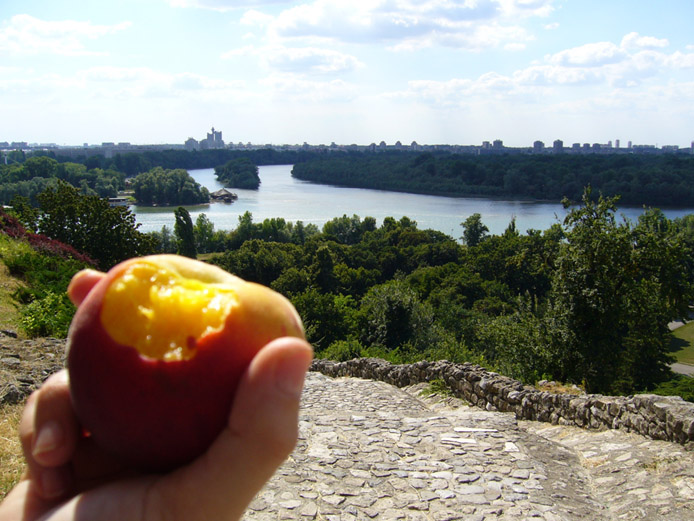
280, 195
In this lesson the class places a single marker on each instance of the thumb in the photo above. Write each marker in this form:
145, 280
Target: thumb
261, 433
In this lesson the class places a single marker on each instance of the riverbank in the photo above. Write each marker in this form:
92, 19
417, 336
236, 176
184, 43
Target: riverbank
281, 195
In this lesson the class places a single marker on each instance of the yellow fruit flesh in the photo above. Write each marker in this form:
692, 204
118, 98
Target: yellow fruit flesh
161, 313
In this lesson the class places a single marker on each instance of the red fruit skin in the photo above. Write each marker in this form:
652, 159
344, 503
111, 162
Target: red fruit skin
151, 414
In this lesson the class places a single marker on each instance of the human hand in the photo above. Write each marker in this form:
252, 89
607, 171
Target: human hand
69, 478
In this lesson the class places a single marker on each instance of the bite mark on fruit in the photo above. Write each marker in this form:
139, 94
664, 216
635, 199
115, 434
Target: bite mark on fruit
167, 313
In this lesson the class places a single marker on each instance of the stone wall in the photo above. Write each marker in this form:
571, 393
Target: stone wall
658, 417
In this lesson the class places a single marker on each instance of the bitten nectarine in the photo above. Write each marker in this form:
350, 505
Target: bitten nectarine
156, 350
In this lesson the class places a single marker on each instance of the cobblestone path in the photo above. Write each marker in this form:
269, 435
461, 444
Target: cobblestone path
368, 450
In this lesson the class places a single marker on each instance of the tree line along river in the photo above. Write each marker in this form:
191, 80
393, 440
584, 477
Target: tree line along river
280, 195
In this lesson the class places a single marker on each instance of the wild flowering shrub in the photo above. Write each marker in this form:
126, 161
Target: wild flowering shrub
46, 266
11, 227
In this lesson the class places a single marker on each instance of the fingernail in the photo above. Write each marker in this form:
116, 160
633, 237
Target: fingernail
49, 438
291, 372
53, 483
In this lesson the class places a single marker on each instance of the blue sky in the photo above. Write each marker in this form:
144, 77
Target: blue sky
347, 71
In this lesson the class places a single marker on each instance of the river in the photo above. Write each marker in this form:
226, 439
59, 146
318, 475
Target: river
280, 195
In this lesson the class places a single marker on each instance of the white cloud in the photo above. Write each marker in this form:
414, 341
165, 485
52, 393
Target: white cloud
246, 50
406, 24
603, 67
679, 60
526, 8
634, 41
556, 75
290, 87
298, 60
310, 59
106, 84
224, 5
256, 18
515, 47
588, 55
25, 34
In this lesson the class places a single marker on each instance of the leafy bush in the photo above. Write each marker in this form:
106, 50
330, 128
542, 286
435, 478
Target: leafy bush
12, 227
45, 309
680, 386
439, 387
49, 316
342, 350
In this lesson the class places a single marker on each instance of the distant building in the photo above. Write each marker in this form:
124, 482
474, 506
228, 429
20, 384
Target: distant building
558, 146
224, 195
538, 147
192, 144
670, 148
213, 140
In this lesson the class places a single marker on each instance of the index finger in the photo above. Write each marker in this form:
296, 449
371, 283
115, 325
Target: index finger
82, 283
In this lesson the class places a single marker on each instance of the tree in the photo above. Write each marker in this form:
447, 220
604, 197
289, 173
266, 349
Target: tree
90, 225
349, 230
204, 234
323, 270
394, 318
326, 317
474, 231
609, 304
166, 242
27, 214
185, 236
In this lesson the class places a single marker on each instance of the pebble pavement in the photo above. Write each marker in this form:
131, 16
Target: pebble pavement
368, 450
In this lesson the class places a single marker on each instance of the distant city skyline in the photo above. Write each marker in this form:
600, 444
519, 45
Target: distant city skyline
338, 71
214, 140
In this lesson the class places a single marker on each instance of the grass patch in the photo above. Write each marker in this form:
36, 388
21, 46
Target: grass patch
559, 388
437, 387
682, 344
9, 311
11, 457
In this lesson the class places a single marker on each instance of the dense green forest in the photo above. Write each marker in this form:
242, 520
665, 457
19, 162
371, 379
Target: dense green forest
587, 301
31, 177
168, 188
239, 173
662, 180
156, 186
639, 179
133, 163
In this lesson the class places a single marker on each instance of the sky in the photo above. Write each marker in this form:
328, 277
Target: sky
347, 71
